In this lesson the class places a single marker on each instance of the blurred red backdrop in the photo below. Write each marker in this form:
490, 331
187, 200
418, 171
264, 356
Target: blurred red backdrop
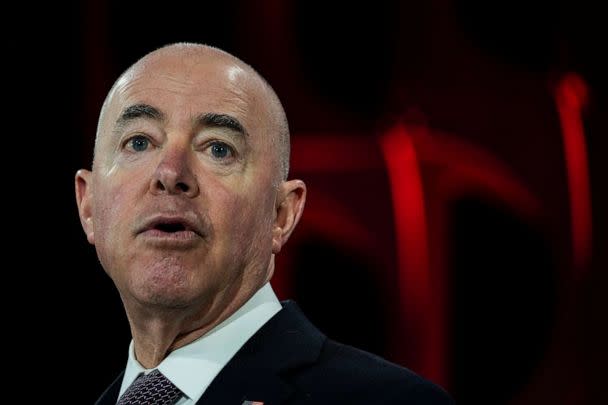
453, 152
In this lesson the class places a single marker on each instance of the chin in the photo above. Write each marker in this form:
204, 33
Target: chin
165, 301
163, 286
153, 294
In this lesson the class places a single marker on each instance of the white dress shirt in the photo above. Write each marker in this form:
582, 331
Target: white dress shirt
193, 367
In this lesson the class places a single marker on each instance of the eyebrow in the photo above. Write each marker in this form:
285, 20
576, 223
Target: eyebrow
222, 121
136, 111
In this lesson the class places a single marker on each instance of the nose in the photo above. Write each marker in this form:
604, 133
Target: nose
173, 175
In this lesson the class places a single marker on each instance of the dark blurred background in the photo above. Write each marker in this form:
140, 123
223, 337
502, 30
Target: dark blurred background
455, 153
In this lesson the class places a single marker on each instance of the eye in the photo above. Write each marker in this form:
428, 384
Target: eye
220, 150
139, 143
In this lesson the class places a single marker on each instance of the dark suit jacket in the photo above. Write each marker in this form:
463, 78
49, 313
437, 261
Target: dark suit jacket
289, 361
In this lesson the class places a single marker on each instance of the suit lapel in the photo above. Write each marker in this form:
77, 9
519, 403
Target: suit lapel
110, 395
258, 371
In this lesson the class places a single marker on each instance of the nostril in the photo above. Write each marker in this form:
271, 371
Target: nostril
183, 187
172, 185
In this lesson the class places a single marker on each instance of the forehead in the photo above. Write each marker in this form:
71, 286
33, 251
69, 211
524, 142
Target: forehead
186, 86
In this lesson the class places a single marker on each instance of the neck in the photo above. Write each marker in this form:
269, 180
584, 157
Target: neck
159, 331
159, 337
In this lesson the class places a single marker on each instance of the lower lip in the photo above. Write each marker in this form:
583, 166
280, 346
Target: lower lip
170, 239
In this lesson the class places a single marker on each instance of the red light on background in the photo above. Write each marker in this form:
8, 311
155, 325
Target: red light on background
571, 96
418, 309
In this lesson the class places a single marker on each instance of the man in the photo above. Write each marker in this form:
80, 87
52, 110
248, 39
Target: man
187, 203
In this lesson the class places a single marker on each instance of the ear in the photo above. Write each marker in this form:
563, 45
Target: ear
84, 198
289, 207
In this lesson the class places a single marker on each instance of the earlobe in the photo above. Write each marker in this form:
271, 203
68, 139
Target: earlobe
290, 205
84, 191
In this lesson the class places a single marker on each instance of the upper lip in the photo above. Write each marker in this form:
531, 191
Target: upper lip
187, 221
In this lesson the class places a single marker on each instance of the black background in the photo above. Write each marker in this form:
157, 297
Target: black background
471, 66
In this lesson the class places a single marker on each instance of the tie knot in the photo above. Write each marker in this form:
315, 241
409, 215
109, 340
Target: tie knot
153, 388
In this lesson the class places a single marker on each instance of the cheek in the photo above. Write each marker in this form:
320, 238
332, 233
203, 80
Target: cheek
245, 219
114, 205
251, 238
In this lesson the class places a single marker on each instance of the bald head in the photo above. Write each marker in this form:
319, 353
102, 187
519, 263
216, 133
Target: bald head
252, 93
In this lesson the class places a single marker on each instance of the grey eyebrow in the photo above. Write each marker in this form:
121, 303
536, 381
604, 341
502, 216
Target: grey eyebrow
222, 121
136, 111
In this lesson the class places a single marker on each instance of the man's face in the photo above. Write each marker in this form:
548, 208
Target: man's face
181, 196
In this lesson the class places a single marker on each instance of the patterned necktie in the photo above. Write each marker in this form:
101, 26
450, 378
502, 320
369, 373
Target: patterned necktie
153, 388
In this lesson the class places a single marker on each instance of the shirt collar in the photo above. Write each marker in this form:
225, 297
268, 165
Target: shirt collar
193, 367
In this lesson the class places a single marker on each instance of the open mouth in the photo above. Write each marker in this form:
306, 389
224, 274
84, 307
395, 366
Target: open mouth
171, 231
170, 227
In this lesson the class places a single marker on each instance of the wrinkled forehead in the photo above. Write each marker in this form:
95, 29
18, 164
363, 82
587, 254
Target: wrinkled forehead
200, 79
190, 85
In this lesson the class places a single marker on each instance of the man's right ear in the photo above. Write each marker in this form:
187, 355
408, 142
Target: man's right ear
84, 199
